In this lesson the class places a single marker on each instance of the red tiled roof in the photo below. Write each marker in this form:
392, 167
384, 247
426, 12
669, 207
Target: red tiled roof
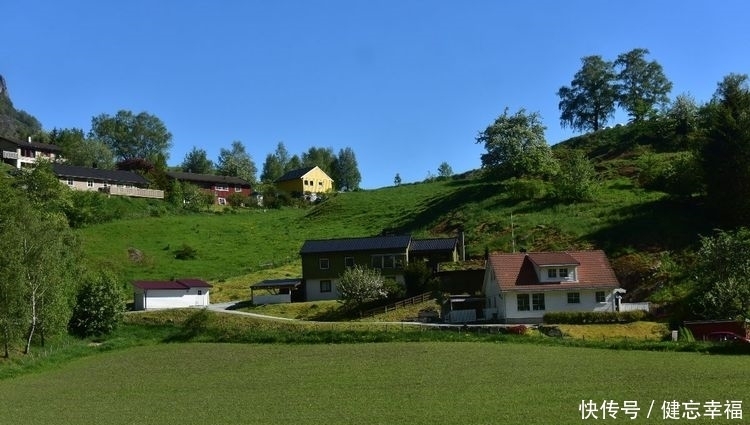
516, 271
542, 259
180, 284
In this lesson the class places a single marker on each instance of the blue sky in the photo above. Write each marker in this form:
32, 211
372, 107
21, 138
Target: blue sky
406, 84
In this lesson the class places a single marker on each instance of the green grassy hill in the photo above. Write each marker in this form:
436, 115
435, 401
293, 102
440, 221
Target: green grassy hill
635, 226
623, 220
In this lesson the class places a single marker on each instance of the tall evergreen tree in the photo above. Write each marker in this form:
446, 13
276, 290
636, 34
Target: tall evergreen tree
346, 174
725, 151
197, 161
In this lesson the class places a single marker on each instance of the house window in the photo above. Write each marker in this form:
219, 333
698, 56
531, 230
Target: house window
325, 286
324, 263
574, 297
90, 183
221, 201
564, 273
522, 301
222, 188
600, 297
537, 302
377, 262
349, 261
28, 153
389, 262
238, 189
70, 182
551, 273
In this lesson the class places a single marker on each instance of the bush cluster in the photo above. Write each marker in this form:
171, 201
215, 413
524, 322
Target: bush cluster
593, 317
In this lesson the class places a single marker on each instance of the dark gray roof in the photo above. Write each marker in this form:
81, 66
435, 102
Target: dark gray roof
35, 145
438, 244
356, 244
207, 178
115, 176
278, 283
294, 174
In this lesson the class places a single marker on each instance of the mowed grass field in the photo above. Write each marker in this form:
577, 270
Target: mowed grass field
393, 383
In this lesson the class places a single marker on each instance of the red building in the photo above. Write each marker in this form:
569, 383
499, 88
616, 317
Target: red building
220, 186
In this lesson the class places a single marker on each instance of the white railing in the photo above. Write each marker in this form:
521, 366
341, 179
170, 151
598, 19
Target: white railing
635, 306
136, 191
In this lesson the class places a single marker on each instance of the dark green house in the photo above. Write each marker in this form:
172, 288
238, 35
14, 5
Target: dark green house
324, 261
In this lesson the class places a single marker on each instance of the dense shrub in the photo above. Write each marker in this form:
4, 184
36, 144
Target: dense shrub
185, 252
591, 317
99, 307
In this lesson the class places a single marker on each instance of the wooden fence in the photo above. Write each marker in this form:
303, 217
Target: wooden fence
399, 304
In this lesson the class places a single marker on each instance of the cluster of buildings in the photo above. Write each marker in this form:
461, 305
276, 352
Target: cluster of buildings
512, 287
308, 181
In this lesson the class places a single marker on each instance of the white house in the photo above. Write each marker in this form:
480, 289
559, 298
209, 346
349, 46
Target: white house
522, 287
149, 294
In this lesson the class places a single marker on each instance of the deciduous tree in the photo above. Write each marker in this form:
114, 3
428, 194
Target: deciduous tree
445, 170
359, 285
321, 157
589, 102
99, 306
236, 162
722, 288
132, 136
516, 146
641, 85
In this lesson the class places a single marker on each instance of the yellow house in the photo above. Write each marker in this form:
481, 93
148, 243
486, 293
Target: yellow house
303, 181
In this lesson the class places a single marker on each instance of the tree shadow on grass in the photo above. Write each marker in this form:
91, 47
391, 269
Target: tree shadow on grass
655, 226
430, 212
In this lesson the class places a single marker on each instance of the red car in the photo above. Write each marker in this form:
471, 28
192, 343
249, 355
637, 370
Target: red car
730, 337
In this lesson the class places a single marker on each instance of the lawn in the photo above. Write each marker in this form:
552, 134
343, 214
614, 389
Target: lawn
409, 383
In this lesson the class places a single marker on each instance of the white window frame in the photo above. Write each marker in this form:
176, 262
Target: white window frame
238, 188
70, 182
564, 273
89, 183
537, 302
600, 296
221, 201
525, 305
551, 273
349, 262
574, 297
324, 263
222, 188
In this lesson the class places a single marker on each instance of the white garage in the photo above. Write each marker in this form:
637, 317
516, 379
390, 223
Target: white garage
181, 293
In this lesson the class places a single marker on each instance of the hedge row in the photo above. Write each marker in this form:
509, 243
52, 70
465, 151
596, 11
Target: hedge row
590, 317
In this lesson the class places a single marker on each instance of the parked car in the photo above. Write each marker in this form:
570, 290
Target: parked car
730, 337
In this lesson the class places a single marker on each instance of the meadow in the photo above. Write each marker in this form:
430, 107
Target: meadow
401, 382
